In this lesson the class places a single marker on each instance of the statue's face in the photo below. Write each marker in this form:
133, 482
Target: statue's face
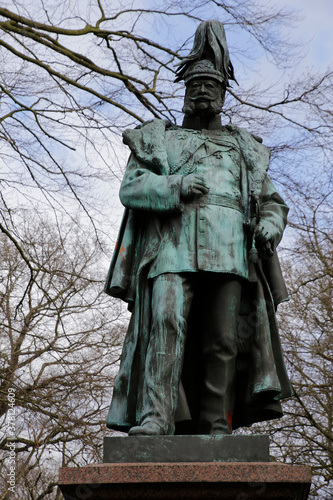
204, 96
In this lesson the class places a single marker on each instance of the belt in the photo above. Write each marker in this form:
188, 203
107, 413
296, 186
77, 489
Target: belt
220, 200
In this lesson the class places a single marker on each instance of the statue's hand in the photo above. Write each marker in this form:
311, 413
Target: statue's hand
265, 240
193, 185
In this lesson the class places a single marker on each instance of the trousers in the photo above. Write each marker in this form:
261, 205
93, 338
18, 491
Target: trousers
172, 298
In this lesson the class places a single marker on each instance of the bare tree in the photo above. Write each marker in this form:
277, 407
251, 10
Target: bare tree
60, 346
76, 74
305, 433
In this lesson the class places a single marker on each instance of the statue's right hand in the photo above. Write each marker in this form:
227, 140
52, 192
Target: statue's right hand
193, 185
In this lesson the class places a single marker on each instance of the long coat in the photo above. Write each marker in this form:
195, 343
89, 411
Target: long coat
261, 375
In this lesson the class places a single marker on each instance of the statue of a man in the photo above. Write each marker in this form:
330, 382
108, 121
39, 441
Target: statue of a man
196, 262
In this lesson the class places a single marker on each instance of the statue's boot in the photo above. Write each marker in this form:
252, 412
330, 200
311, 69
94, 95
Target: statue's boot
217, 397
171, 300
147, 429
219, 351
163, 370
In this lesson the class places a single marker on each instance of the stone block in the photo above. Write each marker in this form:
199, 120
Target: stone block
218, 448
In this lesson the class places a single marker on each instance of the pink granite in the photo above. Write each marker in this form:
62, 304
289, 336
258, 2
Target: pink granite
240, 481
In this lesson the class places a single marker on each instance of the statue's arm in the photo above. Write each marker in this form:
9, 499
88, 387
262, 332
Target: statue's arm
273, 216
143, 189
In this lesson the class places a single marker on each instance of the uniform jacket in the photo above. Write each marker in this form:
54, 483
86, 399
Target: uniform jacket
151, 187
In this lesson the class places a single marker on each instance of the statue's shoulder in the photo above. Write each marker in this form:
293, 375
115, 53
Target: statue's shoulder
155, 122
150, 129
147, 143
239, 131
256, 155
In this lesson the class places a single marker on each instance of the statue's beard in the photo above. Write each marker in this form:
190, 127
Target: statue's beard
215, 107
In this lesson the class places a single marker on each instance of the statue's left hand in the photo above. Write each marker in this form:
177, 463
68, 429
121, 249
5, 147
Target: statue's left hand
265, 240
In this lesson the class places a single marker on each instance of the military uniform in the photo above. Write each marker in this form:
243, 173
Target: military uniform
184, 240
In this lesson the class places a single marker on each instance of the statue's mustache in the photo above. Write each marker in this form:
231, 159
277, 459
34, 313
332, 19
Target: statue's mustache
200, 97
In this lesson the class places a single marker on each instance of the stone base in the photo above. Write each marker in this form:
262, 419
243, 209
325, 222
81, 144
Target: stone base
208, 481
217, 448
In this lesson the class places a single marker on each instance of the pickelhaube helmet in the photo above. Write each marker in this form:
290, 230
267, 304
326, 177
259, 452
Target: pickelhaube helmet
209, 56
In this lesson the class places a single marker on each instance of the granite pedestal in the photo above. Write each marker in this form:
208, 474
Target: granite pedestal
238, 481
203, 469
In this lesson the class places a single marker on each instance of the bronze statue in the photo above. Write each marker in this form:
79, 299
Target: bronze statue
196, 261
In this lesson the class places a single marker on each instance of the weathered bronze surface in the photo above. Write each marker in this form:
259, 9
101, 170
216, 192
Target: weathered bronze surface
196, 261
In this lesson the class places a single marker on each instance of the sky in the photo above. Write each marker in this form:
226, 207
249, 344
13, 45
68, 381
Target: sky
315, 28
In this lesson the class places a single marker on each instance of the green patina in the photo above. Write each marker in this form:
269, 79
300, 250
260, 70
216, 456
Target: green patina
196, 261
